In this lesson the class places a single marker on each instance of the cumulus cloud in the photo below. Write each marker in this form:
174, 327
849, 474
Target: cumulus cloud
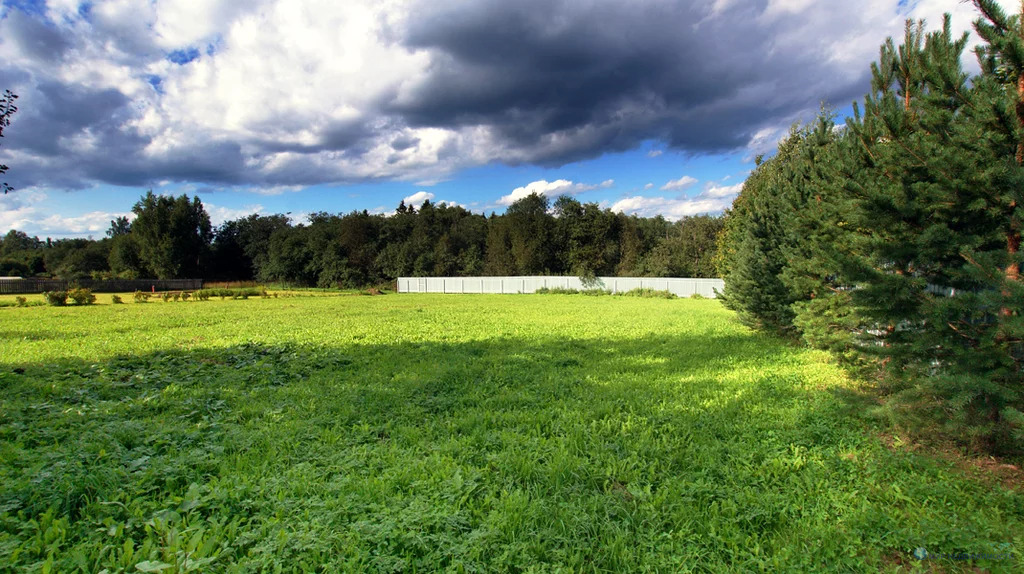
219, 214
418, 198
681, 183
551, 189
654, 153
274, 93
713, 199
671, 208
719, 191
26, 211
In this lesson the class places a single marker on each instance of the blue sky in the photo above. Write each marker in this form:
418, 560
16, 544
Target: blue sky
273, 106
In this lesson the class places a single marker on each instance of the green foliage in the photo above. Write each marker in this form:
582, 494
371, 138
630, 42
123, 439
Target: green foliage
431, 432
56, 298
141, 297
116, 299
894, 243
173, 235
21, 301
650, 293
81, 296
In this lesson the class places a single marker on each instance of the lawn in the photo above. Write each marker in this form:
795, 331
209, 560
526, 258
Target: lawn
474, 433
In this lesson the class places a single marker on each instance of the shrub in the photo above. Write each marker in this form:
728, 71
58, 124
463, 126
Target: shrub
21, 301
185, 295
697, 296
648, 293
166, 297
176, 296
82, 296
116, 299
557, 291
141, 297
56, 298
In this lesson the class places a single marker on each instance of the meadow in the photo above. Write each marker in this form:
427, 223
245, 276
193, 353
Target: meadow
465, 433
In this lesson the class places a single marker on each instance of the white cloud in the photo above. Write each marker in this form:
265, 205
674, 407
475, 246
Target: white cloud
681, 183
714, 199
719, 191
551, 189
219, 214
654, 153
418, 198
27, 210
649, 186
671, 208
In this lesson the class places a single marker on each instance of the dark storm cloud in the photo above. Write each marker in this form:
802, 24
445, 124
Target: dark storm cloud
547, 81
609, 75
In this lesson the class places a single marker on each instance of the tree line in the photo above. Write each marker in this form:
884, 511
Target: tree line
894, 239
172, 237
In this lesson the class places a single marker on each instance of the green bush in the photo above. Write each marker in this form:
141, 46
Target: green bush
21, 301
649, 293
557, 291
56, 298
176, 296
185, 295
82, 296
697, 296
141, 297
166, 296
116, 299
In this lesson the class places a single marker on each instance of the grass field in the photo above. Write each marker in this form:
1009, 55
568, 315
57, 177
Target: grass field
463, 433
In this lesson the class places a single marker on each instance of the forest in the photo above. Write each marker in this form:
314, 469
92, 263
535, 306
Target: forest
171, 237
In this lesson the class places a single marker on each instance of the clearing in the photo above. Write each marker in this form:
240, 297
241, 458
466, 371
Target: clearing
459, 432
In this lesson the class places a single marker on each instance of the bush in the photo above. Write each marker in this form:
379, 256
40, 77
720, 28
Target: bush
557, 291
697, 296
176, 297
649, 293
56, 298
82, 296
141, 297
116, 299
185, 295
166, 297
21, 301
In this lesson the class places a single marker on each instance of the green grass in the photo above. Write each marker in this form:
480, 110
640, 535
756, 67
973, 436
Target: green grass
466, 433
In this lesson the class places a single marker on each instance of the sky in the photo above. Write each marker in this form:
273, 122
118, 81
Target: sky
646, 107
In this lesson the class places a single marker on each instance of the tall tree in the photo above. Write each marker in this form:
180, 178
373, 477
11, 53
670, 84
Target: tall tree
173, 234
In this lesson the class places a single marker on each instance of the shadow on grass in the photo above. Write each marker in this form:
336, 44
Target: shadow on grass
662, 452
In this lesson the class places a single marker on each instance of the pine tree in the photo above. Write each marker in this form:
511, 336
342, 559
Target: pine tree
928, 230
753, 241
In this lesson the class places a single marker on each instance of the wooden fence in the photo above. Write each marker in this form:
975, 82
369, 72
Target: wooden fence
12, 286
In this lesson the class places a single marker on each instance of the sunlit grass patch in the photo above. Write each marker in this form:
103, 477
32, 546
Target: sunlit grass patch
422, 432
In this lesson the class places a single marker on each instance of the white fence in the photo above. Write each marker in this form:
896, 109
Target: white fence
683, 287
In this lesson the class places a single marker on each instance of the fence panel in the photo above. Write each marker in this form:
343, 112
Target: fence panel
681, 286
17, 286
